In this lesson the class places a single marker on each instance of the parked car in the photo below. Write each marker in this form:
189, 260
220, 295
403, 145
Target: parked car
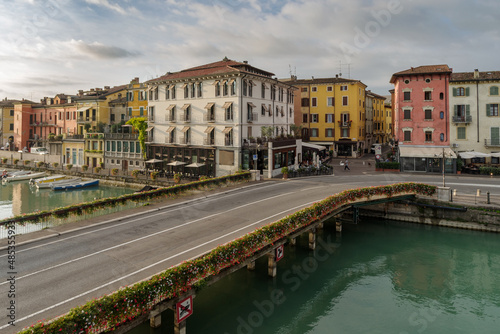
39, 150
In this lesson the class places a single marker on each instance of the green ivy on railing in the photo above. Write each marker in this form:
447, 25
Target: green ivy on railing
110, 311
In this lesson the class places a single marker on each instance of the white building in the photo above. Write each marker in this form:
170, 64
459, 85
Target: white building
207, 116
475, 120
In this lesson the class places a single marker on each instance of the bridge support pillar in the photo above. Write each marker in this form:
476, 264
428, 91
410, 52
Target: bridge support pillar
272, 269
319, 226
293, 241
338, 226
180, 328
312, 239
155, 319
251, 265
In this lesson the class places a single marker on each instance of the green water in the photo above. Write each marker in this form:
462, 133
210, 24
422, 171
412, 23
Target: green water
377, 277
18, 197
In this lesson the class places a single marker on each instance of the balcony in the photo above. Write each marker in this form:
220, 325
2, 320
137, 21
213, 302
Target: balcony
94, 136
495, 142
209, 141
462, 119
170, 118
209, 117
84, 119
129, 136
42, 124
228, 142
252, 117
345, 125
73, 137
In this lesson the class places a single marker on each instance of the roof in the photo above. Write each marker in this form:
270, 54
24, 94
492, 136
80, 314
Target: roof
319, 81
370, 93
425, 69
115, 89
225, 66
8, 103
469, 76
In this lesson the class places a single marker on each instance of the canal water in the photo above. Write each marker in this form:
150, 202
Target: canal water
376, 277
19, 197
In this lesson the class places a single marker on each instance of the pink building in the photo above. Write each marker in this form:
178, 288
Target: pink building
421, 118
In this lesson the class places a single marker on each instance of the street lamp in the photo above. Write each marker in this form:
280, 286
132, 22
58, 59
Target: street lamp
443, 163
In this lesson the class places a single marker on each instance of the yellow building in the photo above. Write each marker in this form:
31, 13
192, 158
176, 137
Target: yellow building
137, 101
7, 123
331, 112
379, 118
389, 135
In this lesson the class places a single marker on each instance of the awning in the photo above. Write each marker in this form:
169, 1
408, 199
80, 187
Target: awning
426, 152
209, 129
150, 128
185, 107
82, 109
184, 86
264, 106
171, 128
314, 146
216, 82
209, 105
223, 82
186, 128
171, 86
251, 104
196, 165
227, 105
470, 155
227, 130
231, 82
171, 107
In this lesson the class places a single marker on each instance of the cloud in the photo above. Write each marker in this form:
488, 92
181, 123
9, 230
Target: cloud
98, 50
114, 7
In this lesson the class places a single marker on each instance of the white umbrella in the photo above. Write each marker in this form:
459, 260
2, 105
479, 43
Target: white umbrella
153, 161
196, 164
176, 163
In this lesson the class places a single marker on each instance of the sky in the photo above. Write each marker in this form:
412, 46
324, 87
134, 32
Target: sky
62, 46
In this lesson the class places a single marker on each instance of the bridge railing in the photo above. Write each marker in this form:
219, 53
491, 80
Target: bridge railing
122, 306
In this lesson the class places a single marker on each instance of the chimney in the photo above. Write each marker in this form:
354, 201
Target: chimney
245, 61
80, 92
91, 89
336, 75
476, 74
107, 87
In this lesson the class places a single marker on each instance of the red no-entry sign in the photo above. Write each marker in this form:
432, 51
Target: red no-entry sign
184, 308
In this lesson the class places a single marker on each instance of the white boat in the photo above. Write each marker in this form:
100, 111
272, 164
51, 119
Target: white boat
6, 173
48, 185
76, 185
48, 179
20, 177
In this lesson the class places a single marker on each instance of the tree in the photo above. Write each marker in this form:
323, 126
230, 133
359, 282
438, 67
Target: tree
140, 124
267, 131
296, 129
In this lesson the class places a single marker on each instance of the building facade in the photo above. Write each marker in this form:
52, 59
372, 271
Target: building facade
474, 116
376, 131
209, 117
421, 118
7, 124
331, 112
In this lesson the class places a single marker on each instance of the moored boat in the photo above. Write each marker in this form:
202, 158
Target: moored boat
48, 185
23, 176
48, 179
76, 185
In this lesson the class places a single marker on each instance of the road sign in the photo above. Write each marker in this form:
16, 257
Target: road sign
184, 309
377, 157
280, 253
255, 156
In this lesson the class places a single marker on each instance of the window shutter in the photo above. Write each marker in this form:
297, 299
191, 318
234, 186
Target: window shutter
467, 110
467, 90
455, 109
454, 92
488, 112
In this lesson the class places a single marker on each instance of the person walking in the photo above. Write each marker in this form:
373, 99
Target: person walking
346, 165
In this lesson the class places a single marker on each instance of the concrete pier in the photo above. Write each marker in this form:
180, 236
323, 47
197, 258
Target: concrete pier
312, 239
271, 265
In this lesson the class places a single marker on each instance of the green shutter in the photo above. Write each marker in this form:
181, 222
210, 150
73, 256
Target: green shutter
467, 109
455, 109
495, 136
454, 91
467, 90
488, 113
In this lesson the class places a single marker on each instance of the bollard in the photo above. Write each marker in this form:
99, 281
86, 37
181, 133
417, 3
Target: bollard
454, 192
478, 193
451, 194
488, 197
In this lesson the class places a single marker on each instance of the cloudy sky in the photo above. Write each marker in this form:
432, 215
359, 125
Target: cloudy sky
61, 46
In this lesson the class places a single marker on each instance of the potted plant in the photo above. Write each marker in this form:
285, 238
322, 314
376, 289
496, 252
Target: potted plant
177, 177
135, 173
26, 162
97, 169
69, 166
101, 164
56, 164
85, 168
460, 165
114, 171
284, 171
154, 175
4, 160
39, 164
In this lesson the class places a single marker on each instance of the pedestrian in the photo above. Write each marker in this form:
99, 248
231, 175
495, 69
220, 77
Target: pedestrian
346, 164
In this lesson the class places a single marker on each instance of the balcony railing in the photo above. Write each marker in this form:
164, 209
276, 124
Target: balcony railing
170, 118
209, 117
186, 117
87, 119
42, 124
208, 141
129, 136
462, 119
345, 124
74, 137
492, 142
252, 117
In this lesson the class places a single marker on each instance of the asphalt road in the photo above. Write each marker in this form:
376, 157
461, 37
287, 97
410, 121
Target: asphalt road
58, 273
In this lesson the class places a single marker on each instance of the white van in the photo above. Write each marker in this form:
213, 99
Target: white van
39, 150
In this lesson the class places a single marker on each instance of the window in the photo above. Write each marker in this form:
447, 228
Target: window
167, 93
428, 96
314, 89
441, 96
407, 96
11, 112
304, 118
345, 100
407, 81
342, 88
229, 112
407, 135
304, 102
200, 89
345, 133
263, 110
441, 136
314, 102
407, 114
495, 136
329, 101
250, 88
441, 115
428, 80
303, 89
492, 110
329, 89
461, 91
11, 126
329, 118
493, 90
428, 114
186, 91
249, 113
263, 91
193, 90
314, 118
225, 88
461, 132
217, 88
329, 132
173, 91
233, 87
428, 136
130, 96
245, 85
314, 132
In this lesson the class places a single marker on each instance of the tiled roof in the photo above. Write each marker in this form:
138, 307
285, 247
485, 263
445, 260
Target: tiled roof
115, 89
425, 69
469, 76
318, 81
8, 103
225, 66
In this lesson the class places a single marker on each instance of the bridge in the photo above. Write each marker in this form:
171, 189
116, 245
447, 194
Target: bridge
136, 303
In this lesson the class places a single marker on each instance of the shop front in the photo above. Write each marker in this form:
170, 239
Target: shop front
427, 159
